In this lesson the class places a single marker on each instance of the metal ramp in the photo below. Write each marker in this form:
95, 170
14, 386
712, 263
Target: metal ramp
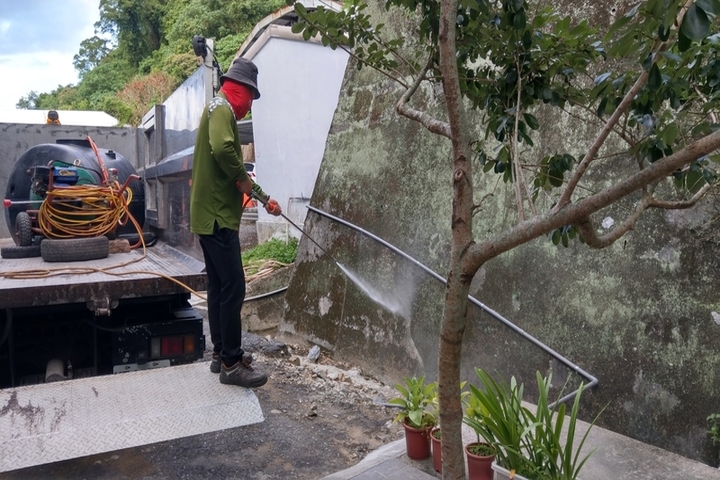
57, 421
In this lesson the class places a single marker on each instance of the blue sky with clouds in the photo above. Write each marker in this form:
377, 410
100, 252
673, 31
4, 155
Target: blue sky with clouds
38, 40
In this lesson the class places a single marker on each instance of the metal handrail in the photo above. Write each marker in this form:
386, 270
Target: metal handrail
593, 381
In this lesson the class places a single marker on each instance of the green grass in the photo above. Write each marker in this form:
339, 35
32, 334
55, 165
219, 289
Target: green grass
278, 250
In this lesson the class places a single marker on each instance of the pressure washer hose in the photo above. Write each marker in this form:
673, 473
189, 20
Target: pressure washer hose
84, 210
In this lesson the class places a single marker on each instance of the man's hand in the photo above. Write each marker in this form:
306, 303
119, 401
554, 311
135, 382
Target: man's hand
245, 186
273, 207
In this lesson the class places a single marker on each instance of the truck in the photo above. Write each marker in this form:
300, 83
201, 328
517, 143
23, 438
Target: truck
61, 319
85, 333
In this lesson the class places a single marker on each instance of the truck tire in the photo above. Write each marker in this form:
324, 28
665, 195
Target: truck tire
74, 249
23, 229
14, 251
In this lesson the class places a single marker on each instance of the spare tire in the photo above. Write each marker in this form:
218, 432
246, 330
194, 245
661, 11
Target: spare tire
23, 229
74, 249
14, 251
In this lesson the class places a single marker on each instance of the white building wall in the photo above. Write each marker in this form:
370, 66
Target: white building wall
300, 83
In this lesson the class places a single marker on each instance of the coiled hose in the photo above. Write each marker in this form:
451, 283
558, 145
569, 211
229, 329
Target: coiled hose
85, 211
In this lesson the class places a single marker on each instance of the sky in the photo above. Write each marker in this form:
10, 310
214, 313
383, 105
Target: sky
38, 40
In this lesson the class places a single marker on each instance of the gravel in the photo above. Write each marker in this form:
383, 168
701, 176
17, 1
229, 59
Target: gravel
320, 418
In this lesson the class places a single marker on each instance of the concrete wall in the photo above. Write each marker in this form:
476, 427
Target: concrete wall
299, 82
641, 315
16, 139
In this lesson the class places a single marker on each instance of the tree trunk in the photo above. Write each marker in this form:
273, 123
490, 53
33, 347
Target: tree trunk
451, 412
458, 282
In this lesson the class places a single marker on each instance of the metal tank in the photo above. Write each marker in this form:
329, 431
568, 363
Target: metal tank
79, 153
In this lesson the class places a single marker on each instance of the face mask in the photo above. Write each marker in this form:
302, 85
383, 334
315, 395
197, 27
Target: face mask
239, 96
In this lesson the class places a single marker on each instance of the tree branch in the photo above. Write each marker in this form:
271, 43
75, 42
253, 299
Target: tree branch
573, 213
600, 140
515, 160
593, 240
612, 121
681, 204
432, 124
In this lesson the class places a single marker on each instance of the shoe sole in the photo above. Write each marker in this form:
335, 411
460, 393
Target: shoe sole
225, 381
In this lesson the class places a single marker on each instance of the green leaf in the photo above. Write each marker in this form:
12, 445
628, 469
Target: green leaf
602, 77
300, 9
556, 178
695, 24
516, 5
694, 181
619, 23
655, 78
684, 42
531, 121
556, 236
648, 62
663, 32
670, 134
602, 106
671, 56
297, 27
710, 7
520, 20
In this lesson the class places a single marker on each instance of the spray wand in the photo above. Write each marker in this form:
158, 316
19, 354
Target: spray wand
254, 195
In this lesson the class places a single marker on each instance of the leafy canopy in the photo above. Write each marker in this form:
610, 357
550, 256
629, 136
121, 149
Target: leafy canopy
514, 58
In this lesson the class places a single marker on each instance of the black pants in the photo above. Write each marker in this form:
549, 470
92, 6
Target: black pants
225, 292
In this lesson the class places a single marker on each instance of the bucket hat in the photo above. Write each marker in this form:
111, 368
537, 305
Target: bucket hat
243, 71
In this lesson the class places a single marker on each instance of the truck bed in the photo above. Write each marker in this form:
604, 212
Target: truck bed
98, 280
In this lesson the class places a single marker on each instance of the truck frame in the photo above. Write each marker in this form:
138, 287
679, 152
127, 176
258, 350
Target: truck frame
79, 340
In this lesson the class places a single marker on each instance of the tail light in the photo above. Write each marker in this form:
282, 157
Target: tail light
172, 346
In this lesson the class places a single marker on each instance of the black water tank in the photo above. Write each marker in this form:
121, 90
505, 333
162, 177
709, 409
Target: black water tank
81, 154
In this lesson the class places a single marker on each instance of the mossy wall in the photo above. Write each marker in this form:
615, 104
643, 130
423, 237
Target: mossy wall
637, 315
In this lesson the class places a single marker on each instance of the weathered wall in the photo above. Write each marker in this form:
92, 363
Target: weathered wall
16, 139
637, 315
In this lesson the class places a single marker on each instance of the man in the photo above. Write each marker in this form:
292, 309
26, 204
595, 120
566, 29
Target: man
219, 180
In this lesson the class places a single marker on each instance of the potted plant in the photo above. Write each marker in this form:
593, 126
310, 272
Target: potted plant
436, 441
416, 414
480, 457
497, 415
527, 444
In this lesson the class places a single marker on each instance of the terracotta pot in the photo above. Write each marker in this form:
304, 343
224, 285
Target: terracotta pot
436, 450
479, 467
417, 441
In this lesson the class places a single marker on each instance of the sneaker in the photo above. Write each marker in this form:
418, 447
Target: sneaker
242, 375
247, 359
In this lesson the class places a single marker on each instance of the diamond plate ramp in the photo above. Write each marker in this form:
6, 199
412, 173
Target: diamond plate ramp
57, 421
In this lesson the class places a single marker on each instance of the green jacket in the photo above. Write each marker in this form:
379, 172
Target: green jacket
217, 165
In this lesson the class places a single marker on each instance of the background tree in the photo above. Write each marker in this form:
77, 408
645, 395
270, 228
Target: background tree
138, 42
653, 108
136, 24
92, 51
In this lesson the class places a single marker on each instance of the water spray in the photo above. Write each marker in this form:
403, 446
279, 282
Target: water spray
375, 295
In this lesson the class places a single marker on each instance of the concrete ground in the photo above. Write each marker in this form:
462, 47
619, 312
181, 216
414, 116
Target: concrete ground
615, 457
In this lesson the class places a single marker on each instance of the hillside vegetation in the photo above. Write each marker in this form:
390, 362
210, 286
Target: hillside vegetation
142, 52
